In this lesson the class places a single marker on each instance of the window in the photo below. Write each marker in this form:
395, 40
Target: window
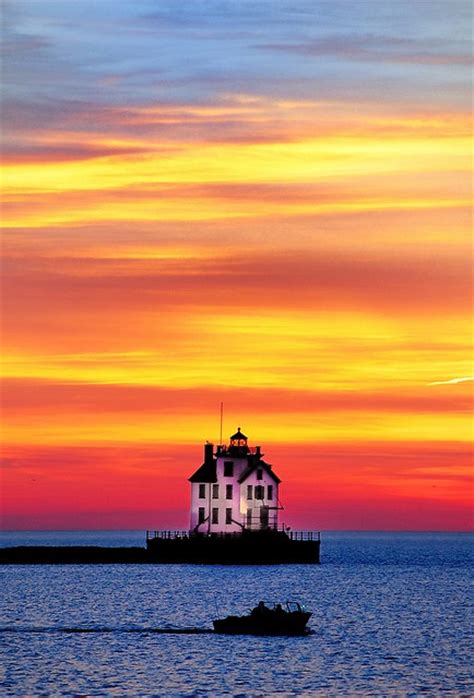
228, 516
259, 474
201, 515
228, 491
270, 492
249, 491
259, 492
228, 468
249, 517
215, 491
202, 491
215, 516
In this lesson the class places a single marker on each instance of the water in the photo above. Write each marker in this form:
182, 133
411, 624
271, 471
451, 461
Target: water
107, 538
391, 618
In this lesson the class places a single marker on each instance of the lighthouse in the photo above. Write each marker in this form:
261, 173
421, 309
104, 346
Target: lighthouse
235, 504
234, 490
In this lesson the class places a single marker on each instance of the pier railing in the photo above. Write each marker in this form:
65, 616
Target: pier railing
167, 535
179, 535
304, 535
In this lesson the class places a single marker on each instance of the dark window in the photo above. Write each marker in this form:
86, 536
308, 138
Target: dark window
215, 516
228, 491
228, 468
270, 492
228, 516
259, 492
215, 491
249, 517
201, 515
259, 474
249, 491
202, 491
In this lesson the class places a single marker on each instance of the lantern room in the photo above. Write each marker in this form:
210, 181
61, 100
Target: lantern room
239, 440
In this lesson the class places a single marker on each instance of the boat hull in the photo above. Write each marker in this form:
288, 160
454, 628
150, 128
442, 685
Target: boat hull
289, 624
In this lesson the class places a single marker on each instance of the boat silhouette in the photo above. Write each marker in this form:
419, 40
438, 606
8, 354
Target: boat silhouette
288, 618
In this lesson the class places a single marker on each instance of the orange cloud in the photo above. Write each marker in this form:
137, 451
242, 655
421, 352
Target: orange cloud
375, 164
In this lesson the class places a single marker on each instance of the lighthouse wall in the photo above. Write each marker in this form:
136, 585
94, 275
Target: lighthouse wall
221, 504
255, 503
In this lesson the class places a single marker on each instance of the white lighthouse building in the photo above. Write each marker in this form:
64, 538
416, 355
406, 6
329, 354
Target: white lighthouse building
234, 490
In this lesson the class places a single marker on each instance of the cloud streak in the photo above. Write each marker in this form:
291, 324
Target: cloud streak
453, 381
387, 49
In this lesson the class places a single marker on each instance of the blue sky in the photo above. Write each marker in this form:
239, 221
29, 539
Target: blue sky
108, 51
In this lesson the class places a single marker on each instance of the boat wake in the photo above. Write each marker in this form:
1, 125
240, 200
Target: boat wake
83, 630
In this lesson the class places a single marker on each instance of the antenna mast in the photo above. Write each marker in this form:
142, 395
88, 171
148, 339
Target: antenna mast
222, 417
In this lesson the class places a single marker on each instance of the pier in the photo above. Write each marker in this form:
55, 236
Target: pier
267, 546
174, 546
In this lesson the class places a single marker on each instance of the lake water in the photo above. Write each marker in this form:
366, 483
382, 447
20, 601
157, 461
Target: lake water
391, 618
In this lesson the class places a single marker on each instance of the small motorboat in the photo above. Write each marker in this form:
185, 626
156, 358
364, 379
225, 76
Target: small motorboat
289, 618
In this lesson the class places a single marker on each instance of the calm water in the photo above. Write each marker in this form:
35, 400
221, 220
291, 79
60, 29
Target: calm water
391, 618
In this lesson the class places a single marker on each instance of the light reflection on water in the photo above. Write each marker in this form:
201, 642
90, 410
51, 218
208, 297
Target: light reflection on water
390, 618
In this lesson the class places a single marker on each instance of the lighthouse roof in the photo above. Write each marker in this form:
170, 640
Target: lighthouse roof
258, 463
205, 473
238, 435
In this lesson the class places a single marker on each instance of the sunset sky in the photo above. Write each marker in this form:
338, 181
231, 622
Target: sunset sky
264, 203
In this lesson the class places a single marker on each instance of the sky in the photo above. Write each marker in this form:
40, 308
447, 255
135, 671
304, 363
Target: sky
261, 203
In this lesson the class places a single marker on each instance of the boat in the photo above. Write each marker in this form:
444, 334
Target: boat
288, 618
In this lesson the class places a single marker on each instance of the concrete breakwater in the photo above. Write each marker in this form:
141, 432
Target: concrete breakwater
252, 550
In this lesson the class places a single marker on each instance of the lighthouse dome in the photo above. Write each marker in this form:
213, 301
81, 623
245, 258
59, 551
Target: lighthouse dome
238, 436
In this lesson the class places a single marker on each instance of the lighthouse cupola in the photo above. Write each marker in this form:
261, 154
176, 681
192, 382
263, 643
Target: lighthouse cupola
238, 442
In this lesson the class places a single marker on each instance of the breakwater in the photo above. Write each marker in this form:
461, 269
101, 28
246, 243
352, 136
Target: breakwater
255, 549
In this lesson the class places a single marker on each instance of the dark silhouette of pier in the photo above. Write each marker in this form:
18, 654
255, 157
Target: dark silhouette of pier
269, 547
